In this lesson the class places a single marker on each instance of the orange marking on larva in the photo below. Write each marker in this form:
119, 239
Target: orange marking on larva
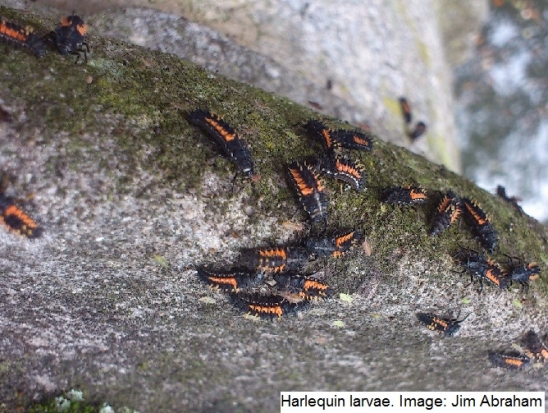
308, 284
65, 21
262, 309
337, 254
342, 239
476, 216
318, 182
227, 136
417, 194
225, 281
328, 140
82, 29
303, 187
405, 106
444, 204
12, 34
491, 277
360, 141
347, 169
13, 210
438, 321
455, 215
514, 362
279, 252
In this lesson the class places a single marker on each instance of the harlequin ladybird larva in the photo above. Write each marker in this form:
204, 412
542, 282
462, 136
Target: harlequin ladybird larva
479, 223
24, 37
322, 134
11, 215
232, 280
512, 361
448, 326
343, 169
228, 141
265, 306
420, 127
405, 195
483, 269
276, 260
309, 189
334, 245
448, 211
523, 273
69, 37
536, 348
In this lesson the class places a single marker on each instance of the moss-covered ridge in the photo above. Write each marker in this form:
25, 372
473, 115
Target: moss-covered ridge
144, 94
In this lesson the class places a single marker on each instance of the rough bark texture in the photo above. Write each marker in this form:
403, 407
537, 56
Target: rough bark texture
132, 198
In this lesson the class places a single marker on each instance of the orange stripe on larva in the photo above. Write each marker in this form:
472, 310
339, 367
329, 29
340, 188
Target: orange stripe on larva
13, 210
11, 33
444, 204
225, 281
278, 252
360, 141
438, 322
417, 194
341, 240
513, 362
301, 184
474, 213
348, 169
263, 309
227, 136
308, 284
82, 29
492, 277
327, 136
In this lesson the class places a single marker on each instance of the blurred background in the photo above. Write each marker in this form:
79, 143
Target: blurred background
474, 71
501, 110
